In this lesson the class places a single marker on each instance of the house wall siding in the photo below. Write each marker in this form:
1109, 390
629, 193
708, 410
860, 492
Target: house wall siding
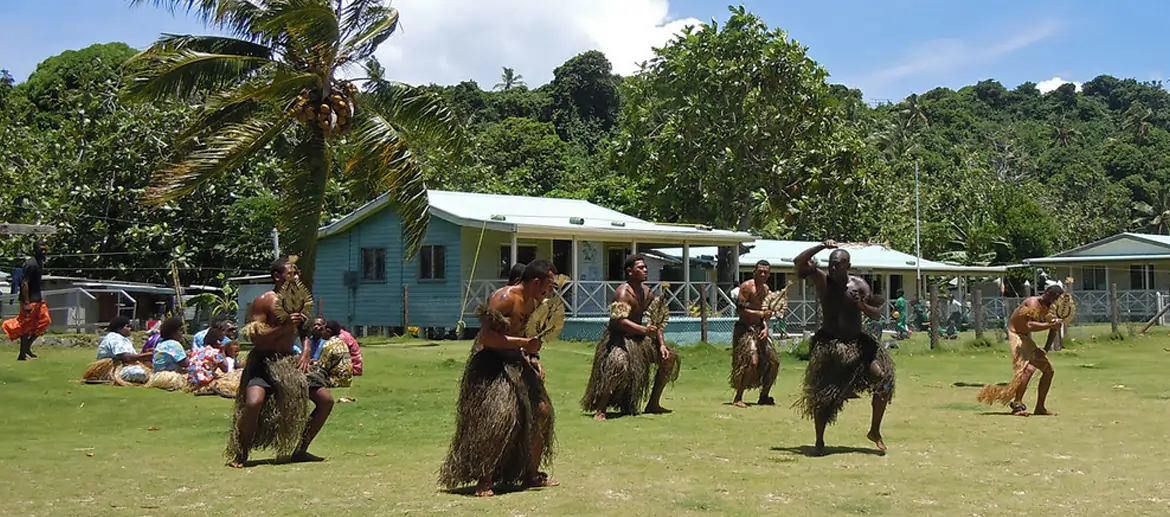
432, 303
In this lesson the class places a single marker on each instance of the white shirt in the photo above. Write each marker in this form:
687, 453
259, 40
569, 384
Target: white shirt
114, 345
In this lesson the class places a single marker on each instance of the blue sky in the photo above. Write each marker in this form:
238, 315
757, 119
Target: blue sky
887, 48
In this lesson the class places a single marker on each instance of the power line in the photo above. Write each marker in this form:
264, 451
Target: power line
139, 223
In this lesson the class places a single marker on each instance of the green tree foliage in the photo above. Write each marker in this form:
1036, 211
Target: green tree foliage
734, 127
730, 125
281, 64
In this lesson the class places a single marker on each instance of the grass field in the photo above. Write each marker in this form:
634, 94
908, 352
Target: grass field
73, 449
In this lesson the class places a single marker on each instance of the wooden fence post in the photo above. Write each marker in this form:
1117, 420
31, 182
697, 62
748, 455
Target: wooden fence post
978, 308
703, 313
934, 314
1114, 309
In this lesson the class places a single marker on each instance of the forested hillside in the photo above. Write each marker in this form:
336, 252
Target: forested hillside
731, 126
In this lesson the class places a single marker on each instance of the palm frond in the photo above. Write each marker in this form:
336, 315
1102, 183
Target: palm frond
226, 149
417, 114
383, 155
237, 104
211, 45
307, 25
370, 28
237, 17
185, 73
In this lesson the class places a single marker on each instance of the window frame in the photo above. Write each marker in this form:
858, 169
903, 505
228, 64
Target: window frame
437, 274
375, 279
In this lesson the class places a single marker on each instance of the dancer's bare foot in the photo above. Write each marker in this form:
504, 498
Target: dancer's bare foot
1019, 409
819, 449
238, 463
305, 457
657, 410
1041, 411
541, 480
599, 416
766, 401
876, 438
484, 492
739, 403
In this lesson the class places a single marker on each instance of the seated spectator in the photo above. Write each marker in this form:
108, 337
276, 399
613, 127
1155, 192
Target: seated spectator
209, 363
355, 352
116, 359
334, 367
316, 339
169, 355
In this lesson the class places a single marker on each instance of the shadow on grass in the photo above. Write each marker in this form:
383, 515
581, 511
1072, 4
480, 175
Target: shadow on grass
1001, 413
608, 415
811, 452
498, 490
974, 384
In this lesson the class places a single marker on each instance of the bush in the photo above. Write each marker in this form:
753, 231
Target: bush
979, 343
801, 352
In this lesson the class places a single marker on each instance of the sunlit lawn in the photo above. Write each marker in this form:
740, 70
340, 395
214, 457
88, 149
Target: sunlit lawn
72, 449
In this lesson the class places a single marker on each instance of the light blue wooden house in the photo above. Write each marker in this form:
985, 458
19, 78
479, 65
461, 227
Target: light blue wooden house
473, 239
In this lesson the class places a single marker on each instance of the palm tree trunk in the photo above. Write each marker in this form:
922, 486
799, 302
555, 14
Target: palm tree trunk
304, 201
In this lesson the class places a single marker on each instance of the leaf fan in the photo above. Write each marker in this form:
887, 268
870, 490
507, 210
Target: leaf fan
658, 312
547, 321
293, 297
1064, 308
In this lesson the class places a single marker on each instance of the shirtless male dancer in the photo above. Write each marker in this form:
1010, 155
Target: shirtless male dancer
1030, 317
276, 340
754, 362
843, 358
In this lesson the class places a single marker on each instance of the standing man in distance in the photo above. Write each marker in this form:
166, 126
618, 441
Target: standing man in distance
33, 320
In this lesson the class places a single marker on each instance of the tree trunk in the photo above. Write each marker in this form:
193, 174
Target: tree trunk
304, 199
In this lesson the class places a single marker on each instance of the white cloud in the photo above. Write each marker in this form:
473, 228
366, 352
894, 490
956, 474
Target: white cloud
1048, 85
950, 54
447, 41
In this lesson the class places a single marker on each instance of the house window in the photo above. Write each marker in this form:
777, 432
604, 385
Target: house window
1141, 278
616, 261
524, 255
775, 282
433, 263
374, 264
895, 284
1094, 278
563, 257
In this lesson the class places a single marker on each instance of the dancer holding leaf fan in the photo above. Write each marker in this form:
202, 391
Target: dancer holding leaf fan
504, 417
627, 351
754, 361
272, 402
1035, 314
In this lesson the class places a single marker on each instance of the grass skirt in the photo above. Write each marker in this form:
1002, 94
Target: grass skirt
621, 370
170, 381
285, 411
746, 343
1025, 353
838, 369
99, 372
496, 421
226, 385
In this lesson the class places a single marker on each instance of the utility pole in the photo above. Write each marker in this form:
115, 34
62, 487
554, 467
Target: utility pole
917, 232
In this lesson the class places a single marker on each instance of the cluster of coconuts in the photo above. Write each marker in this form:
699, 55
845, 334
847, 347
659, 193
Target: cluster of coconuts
333, 113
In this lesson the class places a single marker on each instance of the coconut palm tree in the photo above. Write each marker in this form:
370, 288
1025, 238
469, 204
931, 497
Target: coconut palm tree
277, 78
509, 79
1153, 217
